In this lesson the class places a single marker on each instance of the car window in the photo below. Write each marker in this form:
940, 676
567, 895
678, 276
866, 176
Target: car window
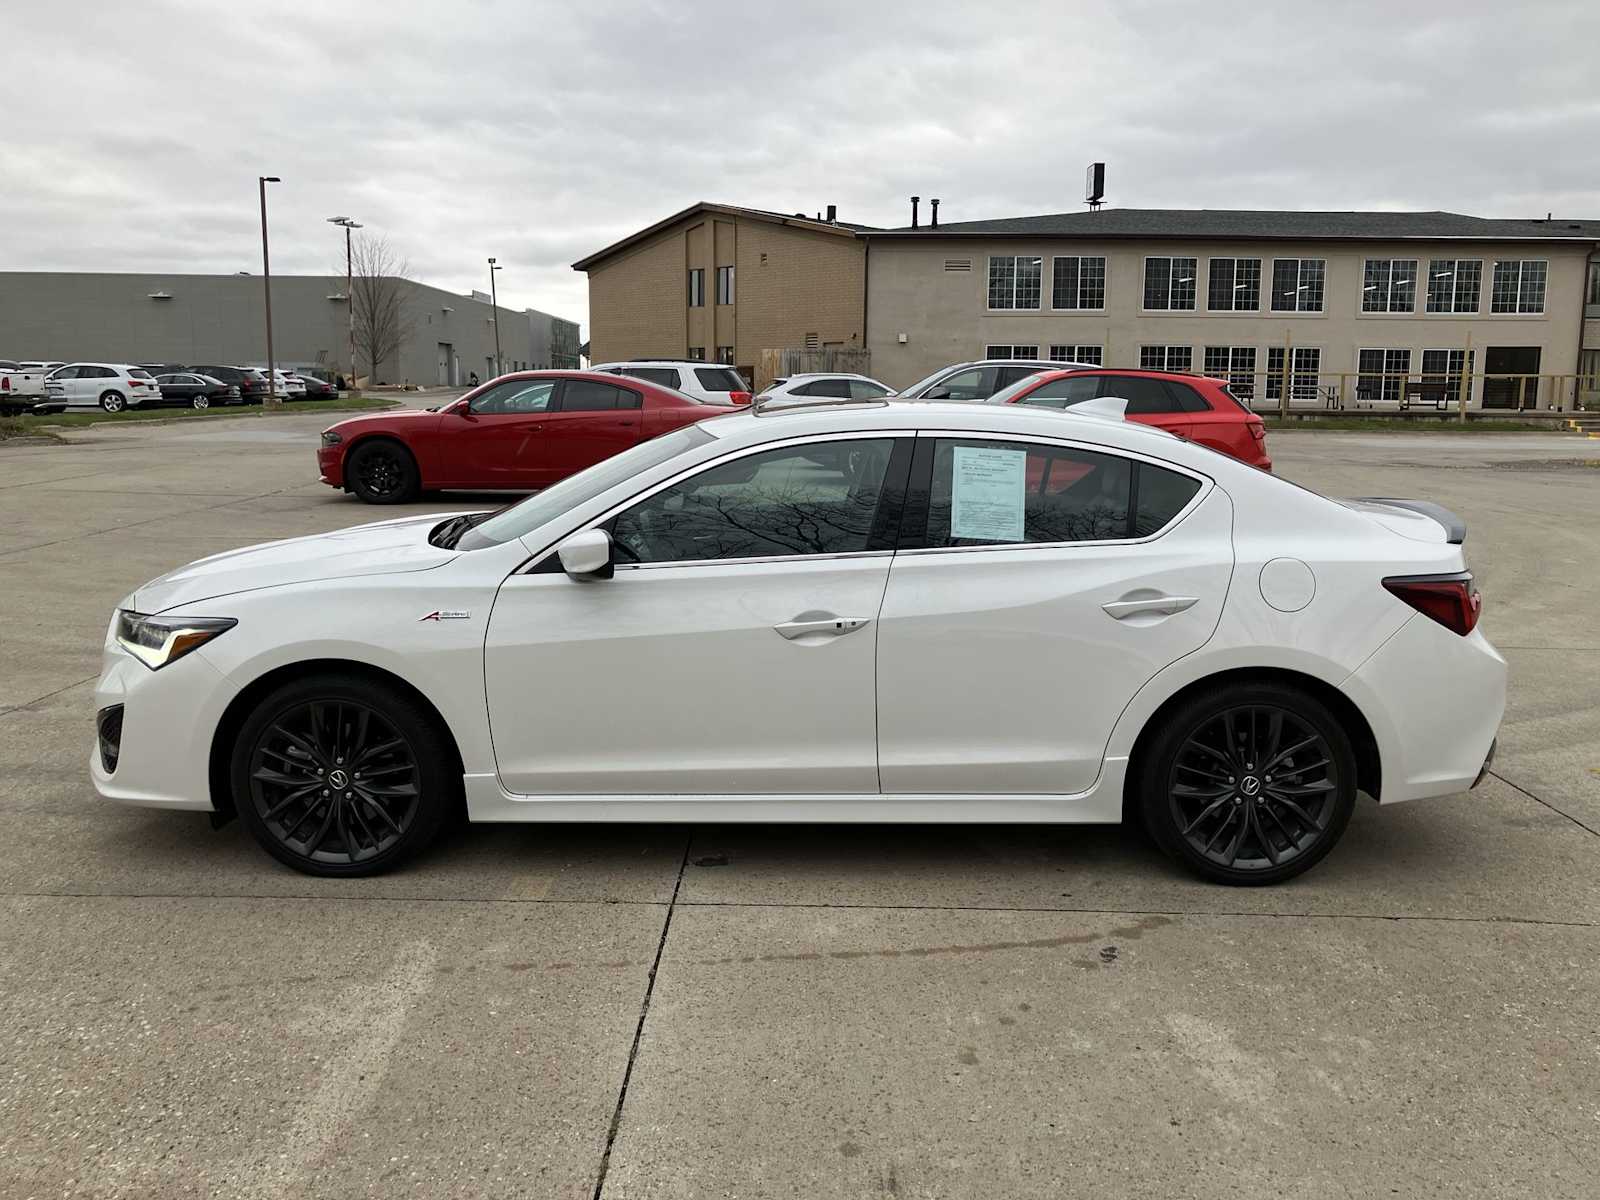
797, 500
997, 493
723, 380
64, 373
665, 376
837, 388
1162, 495
975, 383
1188, 399
139, 373
583, 395
1144, 396
515, 396
864, 389
1060, 393
1006, 376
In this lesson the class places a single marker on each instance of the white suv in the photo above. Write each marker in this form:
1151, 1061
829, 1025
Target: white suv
111, 386
819, 384
712, 382
982, 379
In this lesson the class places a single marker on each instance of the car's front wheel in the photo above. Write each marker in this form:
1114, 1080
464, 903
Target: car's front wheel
335, 775
113, 402
1248, 783
383, 472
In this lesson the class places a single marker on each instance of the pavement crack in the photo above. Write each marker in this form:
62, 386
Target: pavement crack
1519, 788
644, 1012
47, 695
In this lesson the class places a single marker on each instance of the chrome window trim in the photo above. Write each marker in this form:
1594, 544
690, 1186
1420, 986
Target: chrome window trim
711, 464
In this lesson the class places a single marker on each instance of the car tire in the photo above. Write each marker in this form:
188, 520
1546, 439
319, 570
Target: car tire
1248, 784
113, 402
382, 471
337, 776
200, 400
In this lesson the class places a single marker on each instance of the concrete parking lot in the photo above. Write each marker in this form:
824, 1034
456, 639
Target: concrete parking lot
660, 1011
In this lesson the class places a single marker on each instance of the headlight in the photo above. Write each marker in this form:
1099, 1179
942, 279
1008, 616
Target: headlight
330, 438
156, 641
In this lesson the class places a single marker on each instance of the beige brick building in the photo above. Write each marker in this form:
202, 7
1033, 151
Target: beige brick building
725, 283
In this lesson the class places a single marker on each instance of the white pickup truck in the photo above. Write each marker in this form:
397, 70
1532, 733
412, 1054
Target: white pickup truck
21, 390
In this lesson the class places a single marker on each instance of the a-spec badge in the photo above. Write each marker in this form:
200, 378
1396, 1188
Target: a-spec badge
447, 614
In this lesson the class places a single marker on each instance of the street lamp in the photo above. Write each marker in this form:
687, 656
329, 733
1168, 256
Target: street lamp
266, 281
494, 304
349, 291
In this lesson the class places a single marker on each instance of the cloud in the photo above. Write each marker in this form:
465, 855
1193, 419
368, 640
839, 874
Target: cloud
539, 132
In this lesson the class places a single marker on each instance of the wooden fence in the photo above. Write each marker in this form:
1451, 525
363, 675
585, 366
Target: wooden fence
775, 364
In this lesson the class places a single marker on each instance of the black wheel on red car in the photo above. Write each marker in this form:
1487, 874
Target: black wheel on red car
1248, 783
383, 472
339, 776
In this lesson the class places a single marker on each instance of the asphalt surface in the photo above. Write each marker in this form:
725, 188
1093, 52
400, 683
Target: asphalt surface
799, 1012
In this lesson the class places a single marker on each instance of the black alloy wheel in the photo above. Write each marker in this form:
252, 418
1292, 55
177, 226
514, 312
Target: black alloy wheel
337, 777
1253, 785
383, 472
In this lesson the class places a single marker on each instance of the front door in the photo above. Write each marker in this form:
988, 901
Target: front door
1506, 370
733, 651
1051, 583
446, 353
592, 421
498, 441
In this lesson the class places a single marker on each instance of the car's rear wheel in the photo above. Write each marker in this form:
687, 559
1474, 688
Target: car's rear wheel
383, 472
338, 776
113, 402
201, 400
1248, 783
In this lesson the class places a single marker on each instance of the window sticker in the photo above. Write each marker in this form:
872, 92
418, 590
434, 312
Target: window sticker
988, 492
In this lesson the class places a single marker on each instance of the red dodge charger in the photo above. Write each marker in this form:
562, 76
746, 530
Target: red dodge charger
517, 432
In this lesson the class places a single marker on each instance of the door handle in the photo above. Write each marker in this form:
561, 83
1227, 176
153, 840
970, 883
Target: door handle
1166, 605
823, 626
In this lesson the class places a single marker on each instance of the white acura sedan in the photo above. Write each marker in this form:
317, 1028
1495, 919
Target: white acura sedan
874, 612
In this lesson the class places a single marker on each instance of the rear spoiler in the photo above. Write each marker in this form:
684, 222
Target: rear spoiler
1454, 527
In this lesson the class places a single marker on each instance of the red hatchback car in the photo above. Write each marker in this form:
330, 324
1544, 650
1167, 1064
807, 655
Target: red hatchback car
515, 433
1192, 406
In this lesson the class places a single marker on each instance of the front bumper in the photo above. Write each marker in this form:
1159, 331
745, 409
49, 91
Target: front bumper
163, 752
330, 465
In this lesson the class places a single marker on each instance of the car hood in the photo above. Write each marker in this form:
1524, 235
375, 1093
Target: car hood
388, 417
384, 548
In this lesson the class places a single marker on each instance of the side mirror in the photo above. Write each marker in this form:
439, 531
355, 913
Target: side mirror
461, 408
587, 555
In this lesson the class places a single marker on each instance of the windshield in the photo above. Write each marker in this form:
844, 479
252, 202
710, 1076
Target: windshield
578, 489
916, 388
1009, 393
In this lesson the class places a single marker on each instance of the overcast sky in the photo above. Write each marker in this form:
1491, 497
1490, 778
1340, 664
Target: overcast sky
132, 131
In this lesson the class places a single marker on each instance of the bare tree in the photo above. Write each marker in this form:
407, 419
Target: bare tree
383, 319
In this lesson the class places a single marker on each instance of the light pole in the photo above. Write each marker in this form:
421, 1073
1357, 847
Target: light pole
266, 280
349, 290
494, 304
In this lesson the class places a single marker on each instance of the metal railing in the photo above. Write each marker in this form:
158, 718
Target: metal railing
1379, 391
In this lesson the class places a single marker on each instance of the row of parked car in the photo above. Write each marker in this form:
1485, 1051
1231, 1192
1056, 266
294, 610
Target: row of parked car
45, 387
531, 429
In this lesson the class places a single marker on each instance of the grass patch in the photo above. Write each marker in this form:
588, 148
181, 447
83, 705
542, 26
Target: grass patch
1379, 425
36, 422
19, 427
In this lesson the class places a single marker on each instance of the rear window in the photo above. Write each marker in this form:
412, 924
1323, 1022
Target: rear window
139, 373
723, 380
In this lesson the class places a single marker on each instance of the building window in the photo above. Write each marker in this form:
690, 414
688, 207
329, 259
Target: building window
1014, 281
1169, 283
1078, 283
1453, 285
1234, 285
1306, 369
724, 285
1008, 352
1297, 284
1080, 353
1518, 286
1389, 286
1447, 367
1382, 375
1236, 364
697, 288
1594, 283
725, 355
1166, 358
697, 354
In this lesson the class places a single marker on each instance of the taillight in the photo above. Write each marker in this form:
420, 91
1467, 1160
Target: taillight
1257, 430
5, 383
739, 397
1450, 600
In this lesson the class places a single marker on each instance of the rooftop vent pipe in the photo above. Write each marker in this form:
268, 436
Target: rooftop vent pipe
915, 200
933, 213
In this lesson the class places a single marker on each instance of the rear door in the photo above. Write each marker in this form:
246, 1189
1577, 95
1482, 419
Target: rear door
1037, 588
591, 421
